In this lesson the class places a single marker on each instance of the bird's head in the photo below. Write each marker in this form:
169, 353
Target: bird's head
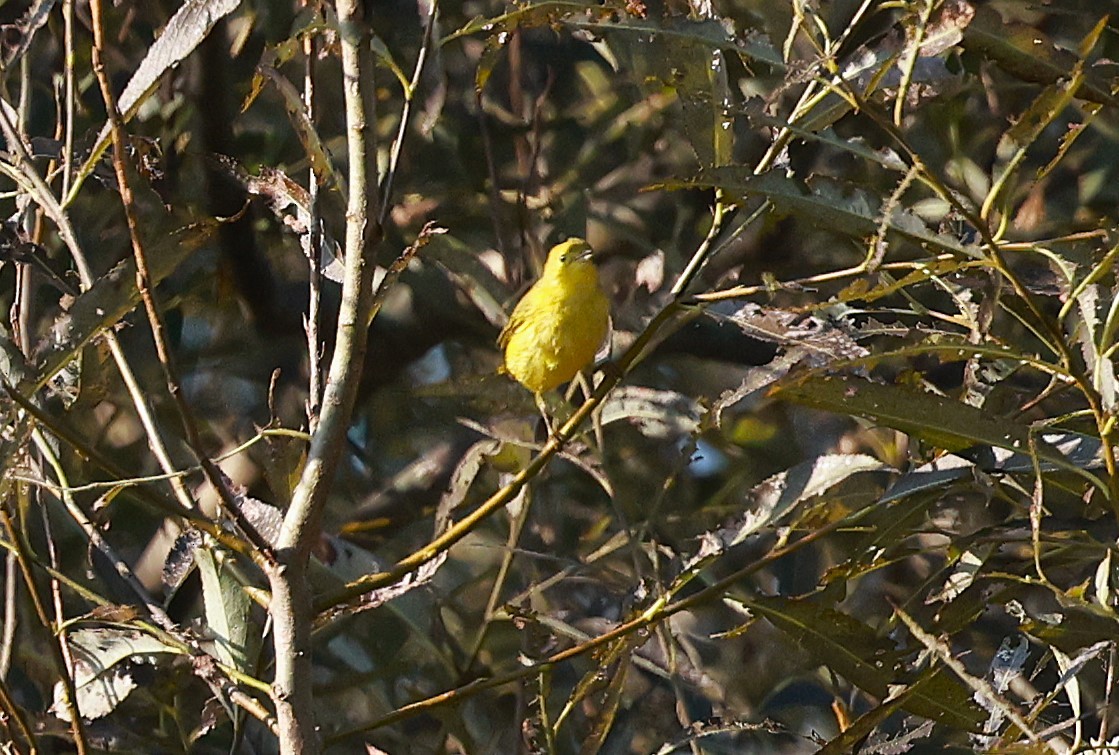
570, 257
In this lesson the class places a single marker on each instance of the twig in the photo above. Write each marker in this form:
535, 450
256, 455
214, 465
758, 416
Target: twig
56, 592
123, 482
94, 535
221, 678
405, 114
205, 665
147, 294
67, 158
23, 551
1105, 708
314, 259
91, 453
12, 711
491, 170
981, 686
516, 526
11, 615
1050, 331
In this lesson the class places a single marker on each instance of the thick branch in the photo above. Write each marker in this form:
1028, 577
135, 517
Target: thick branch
291, 602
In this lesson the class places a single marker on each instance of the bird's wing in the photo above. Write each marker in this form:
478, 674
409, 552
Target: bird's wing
516, 321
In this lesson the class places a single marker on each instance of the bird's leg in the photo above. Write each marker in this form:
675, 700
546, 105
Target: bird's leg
543, 407
585, 383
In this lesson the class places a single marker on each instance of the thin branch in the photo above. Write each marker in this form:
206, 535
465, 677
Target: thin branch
491, 171
981, 686
314, 258
67, 159
406, 113
56, 593
222, 679
11, 615
154, 609
1105, 707
13, 712
147, 295
1051, 335
62, 669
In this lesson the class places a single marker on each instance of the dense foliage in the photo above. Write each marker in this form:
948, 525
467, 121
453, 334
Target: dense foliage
845, 482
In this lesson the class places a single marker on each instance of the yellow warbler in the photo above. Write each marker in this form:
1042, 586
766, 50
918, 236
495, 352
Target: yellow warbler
557, 326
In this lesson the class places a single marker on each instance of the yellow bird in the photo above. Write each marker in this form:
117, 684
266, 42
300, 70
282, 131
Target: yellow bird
559, 324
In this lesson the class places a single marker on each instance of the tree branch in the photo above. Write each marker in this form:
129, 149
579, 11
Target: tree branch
291, 600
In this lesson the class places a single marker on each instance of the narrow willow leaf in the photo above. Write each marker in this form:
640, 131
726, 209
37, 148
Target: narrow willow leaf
290, 204
1070, 668
1025, 52
276, 56
183, 34
812, 340
25, 28
851, 649
753, 383
700, 729
1006, 664
683, 56
384, 54
226, 606
471, 463
536, 14
847, 211
1073, 627
319, 156
775, 497
1103, 581
939, 421
947, 28
610, 663
608, 709
656, 413
863, 737
963, 575
111, 297
677, 54
834, 639
1081, 451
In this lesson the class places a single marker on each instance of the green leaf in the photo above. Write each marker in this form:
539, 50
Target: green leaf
182, 35
835, 640
227, 607
1025, 52
1074, 628
685, 57
775, 497
941, 422
870, 662
845, 210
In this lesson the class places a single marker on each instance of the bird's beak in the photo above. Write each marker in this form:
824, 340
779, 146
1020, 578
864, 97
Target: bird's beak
587, 254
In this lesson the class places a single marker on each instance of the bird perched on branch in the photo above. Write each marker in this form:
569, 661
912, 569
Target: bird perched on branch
559, 324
